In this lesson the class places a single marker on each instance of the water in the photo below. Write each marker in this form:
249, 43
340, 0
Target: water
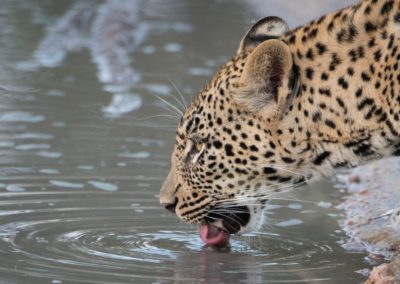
83, 151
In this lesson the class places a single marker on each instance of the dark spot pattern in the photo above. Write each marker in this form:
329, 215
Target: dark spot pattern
346, 111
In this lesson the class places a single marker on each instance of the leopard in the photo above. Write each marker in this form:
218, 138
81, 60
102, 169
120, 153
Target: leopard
291, 106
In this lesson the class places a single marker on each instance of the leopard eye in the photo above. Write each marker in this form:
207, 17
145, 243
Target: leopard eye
194, 149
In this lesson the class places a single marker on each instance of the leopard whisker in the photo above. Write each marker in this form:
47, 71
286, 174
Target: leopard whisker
183, 102
257, 197
173, 112
228, 210
169, 116
160, 75
172, 107
178, 102
227, 203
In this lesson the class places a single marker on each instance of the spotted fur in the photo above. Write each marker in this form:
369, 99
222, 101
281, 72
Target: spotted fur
291, 105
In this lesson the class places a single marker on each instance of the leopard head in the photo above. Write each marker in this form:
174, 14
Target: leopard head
229, 157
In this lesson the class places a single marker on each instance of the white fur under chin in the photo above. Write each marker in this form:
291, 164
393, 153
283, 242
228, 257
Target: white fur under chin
257, 218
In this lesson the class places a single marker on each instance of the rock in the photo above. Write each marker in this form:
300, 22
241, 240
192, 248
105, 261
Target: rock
387, 273
372, 216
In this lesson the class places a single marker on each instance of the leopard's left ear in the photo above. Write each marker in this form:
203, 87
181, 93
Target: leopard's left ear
267, 79
265, 29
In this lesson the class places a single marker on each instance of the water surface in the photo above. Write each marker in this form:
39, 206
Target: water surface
84, 149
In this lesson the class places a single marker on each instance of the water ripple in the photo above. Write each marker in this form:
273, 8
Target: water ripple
20, 116
74, 235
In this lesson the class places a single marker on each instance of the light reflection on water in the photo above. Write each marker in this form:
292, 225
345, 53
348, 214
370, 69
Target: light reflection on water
83, 153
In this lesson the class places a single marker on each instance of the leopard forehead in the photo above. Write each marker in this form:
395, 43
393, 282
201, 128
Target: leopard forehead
214, 103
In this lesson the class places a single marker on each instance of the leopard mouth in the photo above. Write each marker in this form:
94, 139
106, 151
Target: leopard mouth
213, 235
222, 222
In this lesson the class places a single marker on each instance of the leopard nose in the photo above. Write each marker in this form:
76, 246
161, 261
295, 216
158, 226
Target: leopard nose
171, 206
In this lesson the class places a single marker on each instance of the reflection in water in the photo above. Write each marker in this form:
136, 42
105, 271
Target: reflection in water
67, 35
79, 191
211, 267
112, 32
122, 103
117, 31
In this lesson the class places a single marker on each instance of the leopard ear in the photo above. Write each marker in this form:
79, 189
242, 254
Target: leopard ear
265, 29
267, 78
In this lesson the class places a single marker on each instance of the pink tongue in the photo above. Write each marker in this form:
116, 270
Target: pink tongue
213, 236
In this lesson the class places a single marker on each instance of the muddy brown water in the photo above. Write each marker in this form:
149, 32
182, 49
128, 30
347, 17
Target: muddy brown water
84, 148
